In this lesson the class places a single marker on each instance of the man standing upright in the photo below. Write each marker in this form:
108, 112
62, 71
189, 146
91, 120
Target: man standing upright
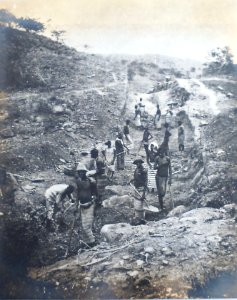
126, 132
120, 152
157, 115
163, 167
140, 183
141, 106
145, 140
86, 194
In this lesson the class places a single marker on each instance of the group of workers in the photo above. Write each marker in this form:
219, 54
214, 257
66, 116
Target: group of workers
97, 167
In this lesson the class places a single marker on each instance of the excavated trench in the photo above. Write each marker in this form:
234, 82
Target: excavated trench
43, 248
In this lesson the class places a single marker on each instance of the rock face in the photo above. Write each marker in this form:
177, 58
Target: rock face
118, 201
7, 133
115, 232
177, 211
179, 249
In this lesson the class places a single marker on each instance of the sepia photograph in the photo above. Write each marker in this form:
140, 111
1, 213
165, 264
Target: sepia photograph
118, 149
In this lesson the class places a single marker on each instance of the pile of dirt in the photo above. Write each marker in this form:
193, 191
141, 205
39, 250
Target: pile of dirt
161, 259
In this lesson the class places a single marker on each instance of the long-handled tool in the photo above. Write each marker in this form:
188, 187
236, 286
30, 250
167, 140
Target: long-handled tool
171, 197
72, 229
150, 207
69, 206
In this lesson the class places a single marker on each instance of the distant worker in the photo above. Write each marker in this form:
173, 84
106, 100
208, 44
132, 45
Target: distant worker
86, 195
126, 132
94, 152
141, 106
145, 140
137, 111
169, 118
110, 155
120, 152
157, 115
152, 153
163, 167
89, 161
181, 136
55, 196
137, 117
140, 184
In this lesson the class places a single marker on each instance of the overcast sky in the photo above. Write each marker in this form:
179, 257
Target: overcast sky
181, 28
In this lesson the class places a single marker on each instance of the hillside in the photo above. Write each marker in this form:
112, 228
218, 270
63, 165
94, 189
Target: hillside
55, 100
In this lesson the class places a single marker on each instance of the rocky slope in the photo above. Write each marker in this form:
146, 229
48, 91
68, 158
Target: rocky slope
56, 100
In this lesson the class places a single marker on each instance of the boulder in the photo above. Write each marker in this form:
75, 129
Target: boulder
118, 189
115, 232
212, 200
116, 201
230, 209
58, 109
177, 211
149, 250
7, 133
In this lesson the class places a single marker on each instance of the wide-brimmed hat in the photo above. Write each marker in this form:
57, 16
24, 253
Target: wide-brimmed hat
138, 161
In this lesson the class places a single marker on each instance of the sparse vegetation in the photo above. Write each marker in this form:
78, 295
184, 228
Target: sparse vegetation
58, 35
30, 25
219, 61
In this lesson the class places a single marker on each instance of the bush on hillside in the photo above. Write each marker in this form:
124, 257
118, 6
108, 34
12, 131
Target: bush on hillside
57, 35
30, 24
220, 61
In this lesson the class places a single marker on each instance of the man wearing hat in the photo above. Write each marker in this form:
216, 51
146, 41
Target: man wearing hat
163, 167
86, 193
140, 183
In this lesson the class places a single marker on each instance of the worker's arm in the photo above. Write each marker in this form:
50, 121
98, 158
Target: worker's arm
71, 198
126, 148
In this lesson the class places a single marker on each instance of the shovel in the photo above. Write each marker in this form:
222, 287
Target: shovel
147, 206
171, 196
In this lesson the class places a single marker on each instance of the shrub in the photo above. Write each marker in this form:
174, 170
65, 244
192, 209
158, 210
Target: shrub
219, 60
30, 24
